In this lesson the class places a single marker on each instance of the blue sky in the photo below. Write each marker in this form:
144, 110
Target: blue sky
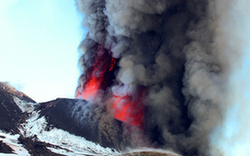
38, 46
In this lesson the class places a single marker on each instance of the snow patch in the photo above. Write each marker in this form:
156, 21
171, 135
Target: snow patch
65, 152
68, 144
27, 107
36, 126
12, 142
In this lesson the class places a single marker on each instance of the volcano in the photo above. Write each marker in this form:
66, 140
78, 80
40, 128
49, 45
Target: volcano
153, 73
60, 127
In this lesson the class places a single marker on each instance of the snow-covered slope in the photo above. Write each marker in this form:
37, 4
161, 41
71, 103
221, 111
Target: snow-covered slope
60, 127
12, 142
32, 131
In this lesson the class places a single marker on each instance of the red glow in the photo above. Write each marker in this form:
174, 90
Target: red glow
100, 76
125, 110
90, 90
129, 109
113, 62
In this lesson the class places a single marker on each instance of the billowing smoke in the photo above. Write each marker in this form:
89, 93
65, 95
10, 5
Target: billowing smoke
169, 60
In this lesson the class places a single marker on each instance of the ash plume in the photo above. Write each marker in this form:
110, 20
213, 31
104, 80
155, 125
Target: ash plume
178, 51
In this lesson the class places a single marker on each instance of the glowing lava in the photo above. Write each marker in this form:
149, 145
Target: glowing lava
129, 109
100, 76
90, 90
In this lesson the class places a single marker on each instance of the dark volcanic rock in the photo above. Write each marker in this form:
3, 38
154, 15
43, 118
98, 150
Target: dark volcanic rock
34, 122
10, 114
5, 148
84, 119
36, 148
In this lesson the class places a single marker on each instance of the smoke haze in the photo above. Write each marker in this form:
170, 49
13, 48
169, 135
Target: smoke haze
182, 52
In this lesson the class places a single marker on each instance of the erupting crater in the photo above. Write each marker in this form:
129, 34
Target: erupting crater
100, 78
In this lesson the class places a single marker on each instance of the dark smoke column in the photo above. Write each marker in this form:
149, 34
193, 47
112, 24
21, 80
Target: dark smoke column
156, 64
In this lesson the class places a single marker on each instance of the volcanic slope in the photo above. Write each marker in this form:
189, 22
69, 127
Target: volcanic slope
25, 131
58, 127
